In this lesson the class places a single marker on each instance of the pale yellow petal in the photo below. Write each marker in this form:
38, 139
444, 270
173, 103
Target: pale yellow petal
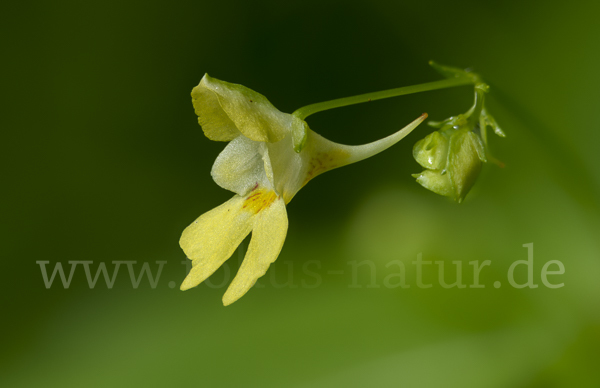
240, 167
288, 167
268, 235
212, 118
213, 237
249, 112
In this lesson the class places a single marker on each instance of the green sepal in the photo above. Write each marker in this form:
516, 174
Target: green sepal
486, 120
436, 181
299, 133
465, 157
432, 151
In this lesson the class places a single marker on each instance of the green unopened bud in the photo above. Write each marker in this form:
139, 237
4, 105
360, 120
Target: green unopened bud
453, 155
452, 159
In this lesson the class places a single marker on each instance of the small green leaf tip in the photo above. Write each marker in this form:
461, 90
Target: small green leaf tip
453, 155
455, 72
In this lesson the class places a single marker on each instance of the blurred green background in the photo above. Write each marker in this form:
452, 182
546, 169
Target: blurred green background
103, 160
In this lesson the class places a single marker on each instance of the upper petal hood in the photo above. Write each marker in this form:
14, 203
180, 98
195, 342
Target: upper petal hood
226, 110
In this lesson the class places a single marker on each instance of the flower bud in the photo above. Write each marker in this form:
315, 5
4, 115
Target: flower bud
453, 155
452, 159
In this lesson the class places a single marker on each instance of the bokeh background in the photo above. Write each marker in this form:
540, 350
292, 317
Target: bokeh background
103, 160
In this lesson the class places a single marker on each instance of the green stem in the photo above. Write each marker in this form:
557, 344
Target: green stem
308, 110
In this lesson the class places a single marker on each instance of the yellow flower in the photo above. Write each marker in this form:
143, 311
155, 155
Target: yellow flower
261, 166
